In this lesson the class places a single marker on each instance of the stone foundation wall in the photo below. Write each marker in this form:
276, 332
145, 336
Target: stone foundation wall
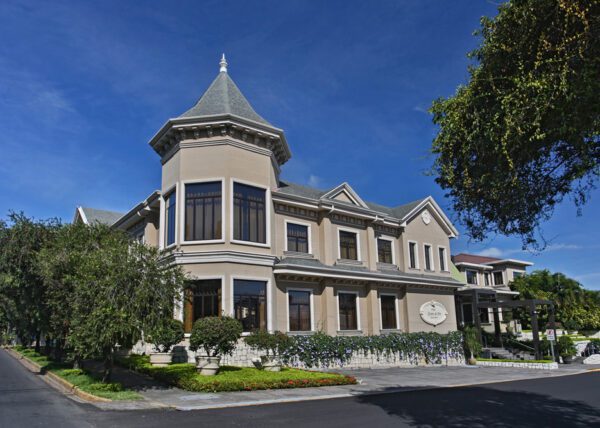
539, 366
244, 355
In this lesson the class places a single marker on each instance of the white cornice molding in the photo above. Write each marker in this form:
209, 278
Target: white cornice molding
199, 257
138, 212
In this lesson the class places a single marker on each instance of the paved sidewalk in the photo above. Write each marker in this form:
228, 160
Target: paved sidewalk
371, 381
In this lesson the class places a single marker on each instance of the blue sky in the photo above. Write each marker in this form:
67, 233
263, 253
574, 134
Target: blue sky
84, 85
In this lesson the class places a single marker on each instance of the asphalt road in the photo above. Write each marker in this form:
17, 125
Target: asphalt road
569, 401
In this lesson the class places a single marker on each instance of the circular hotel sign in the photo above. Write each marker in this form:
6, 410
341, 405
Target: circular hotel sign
433, 312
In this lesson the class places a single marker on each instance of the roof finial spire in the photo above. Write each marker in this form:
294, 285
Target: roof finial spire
223, 64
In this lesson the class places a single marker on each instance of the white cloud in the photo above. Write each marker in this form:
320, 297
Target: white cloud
492, 252
313, 180
500, 253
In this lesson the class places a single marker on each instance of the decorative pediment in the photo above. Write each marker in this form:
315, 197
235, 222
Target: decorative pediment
346, 194
427, 210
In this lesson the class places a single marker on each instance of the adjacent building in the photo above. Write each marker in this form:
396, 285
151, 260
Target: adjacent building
278, 255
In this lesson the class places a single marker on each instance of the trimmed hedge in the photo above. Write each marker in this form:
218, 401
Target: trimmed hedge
321, 350
186, 377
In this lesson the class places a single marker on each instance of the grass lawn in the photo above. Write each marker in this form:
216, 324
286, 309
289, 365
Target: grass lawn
230, 378
503, 360
85, 381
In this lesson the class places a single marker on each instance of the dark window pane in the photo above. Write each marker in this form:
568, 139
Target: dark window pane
442, 252
348, 315
467, 313
388, 312
411, 252
203, 299
498, 278
249, 213
203, 211
484, 315
297, 238
170, 218
348, 246
471, 277
384, 251
250, 304
428, 257
299, 308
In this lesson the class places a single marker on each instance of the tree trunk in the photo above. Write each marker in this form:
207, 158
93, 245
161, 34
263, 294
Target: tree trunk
108, 365
37, 341
77, 362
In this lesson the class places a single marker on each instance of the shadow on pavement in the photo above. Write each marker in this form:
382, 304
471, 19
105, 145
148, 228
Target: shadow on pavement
481, 406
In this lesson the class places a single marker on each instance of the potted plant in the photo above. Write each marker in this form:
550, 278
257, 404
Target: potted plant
216, 336
472, 344
166, 335
566, 349
272, 344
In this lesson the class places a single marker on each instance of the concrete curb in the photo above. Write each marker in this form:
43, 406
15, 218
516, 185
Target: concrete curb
56, 381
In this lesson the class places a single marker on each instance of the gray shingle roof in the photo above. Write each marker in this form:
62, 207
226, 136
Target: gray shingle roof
224, 97
309, 192
94, 215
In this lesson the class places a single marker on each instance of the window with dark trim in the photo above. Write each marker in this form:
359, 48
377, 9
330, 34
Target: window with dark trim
250, 304
202, 299
249, 213
471, 277
484, 315
384, 251
171, 203
299, 310
348, 245
203, 209
428, 265
297, 238
388, 312
442, 254
498, 278
467, 312
348, 313
412, 254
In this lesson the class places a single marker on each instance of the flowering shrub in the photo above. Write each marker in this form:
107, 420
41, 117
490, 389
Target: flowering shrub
321, 350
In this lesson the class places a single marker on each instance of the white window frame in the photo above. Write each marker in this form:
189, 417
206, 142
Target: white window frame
395, 296
357, 233
204, 278
447, 268
337, 299
385, 238
416, 255
489, 279
163, 220
221, 240
431, 258
299, 223
476, 276
494, 277
267, 214
269, 298
312, 308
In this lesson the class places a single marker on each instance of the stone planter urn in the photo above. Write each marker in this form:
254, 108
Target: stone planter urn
161, 359
472, 361
568, 359
270, 364
208, 366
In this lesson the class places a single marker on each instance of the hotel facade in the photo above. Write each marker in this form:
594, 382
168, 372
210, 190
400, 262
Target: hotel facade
277, 255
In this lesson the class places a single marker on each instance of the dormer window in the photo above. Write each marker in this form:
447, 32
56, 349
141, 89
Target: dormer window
203, 211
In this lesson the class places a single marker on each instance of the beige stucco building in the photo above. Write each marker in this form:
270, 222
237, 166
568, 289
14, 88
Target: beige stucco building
278, 255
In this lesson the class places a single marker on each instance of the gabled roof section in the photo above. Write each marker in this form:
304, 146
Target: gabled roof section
430, 203
346, 190
224, 97
93, 215
484, 260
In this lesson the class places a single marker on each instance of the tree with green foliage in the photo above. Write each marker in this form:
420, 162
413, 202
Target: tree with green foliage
21, 284
524, 132
576, 308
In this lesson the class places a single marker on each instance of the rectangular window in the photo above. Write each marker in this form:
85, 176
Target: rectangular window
412, 254
467, 311
484, 315
299, 310
203, 299
471, 277
297, 238
498, 278
384, 251
250, 304
348, 245
428, 262
171, 203
442, 254
203, 205
388, 312
249, 213
348, 315
486, 278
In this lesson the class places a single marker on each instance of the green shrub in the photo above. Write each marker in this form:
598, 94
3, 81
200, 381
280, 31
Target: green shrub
108, 387
168, 334
273, 344
217, 336
566, 347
